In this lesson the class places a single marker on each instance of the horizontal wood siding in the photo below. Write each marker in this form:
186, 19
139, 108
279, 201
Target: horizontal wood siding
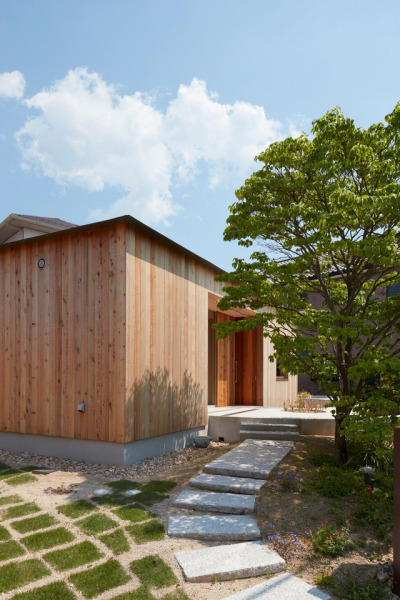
167, 338
62, 336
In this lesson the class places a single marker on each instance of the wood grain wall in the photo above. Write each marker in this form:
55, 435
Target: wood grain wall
62, 336
167, 338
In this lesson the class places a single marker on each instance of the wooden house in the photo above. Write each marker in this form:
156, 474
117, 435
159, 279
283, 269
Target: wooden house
107, 351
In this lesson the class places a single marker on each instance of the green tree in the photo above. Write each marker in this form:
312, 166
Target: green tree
323, 213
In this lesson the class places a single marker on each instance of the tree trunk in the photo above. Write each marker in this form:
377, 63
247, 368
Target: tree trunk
340, 442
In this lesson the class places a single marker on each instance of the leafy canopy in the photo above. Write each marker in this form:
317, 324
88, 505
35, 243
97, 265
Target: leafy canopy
324, 214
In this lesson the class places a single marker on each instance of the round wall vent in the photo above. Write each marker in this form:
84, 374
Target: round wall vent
41, 263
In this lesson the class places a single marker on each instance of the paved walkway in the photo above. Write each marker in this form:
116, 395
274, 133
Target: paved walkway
229, 486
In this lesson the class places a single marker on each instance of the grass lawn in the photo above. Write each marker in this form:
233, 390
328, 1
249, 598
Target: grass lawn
141, 593
76, 509
93, 582
10, 500
72, 557
11, 550
116, 541
34, 523
17, 574
4, 534
47, 539
54, 591
133, 513
21, 479
162, 487
153, 571
151, 531
20, 511
9, 473
96, 524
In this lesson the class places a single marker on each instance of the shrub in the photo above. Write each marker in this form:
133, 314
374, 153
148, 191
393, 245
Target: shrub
329, 540
334, 482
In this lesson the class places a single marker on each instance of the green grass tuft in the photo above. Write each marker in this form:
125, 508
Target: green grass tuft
10, 500
149, 498
113, 500
11, 550
133, 513
141, 593
161, 487
74, 556
4, 534
17, 574
96, 524
20, 511
9, 473
176, 595
21, 479
100, 579
122, 485
34, 523
47, 539
153, 571
116, 541
30, 468
54, 591
77, 509
4, 467
152, 531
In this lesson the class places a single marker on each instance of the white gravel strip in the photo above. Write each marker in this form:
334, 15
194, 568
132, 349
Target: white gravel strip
146, 468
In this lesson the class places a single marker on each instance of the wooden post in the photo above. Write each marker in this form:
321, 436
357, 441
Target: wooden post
396, 513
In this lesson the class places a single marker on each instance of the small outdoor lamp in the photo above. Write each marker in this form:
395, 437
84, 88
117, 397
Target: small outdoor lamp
367, 471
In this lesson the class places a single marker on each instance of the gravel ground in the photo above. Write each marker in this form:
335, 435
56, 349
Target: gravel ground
146, 468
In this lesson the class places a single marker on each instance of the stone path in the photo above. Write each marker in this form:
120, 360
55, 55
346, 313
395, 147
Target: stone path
248, 559
230, 483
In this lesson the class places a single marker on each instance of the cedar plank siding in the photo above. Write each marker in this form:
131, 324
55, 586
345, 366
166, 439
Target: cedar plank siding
62, 336
166, 366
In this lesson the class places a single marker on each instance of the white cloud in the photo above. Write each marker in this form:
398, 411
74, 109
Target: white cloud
88, 135
12, 84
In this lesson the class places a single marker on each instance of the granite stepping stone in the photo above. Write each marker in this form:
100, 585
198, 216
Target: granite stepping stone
238, 504
281, 587
253, 458
223, 483
214, 527
224, 563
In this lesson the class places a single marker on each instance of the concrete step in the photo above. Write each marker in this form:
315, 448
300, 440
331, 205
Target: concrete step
269, 426
292, 436
223, 483
238, 504
253, 458
281, 587
224, 563
231, 528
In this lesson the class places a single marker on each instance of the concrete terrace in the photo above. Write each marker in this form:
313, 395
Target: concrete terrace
224, 422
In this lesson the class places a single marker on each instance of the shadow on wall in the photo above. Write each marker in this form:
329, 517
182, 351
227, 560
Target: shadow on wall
157, 405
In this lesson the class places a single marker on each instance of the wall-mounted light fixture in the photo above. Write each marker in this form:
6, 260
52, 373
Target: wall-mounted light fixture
81, 407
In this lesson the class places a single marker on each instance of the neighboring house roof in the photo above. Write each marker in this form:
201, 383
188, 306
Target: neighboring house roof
59, 223
53, 231
17, 227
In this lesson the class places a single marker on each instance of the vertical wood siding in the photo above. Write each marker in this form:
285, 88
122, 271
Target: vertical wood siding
167, 338
62, 336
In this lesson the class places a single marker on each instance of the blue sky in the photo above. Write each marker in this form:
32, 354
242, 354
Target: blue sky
157, 108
